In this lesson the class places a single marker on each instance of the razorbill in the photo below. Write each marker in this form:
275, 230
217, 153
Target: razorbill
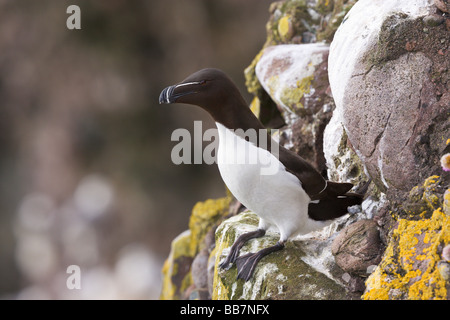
294, 197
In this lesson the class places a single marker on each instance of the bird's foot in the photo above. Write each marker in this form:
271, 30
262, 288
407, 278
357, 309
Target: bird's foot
247, 263
234, 251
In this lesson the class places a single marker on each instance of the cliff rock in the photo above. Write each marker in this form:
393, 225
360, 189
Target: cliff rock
373, 104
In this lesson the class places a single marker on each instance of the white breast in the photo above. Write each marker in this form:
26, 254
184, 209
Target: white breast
261, 183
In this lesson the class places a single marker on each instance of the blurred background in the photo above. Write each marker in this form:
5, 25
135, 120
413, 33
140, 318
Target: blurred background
85, 172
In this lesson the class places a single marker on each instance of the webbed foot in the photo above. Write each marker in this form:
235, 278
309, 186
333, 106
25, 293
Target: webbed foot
234, 251
246, 264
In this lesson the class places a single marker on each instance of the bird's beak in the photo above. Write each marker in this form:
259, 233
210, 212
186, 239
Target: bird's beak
166, 95
172, 93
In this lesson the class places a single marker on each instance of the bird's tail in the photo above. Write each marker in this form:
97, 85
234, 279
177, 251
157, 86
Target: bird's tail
337, 201
361, 191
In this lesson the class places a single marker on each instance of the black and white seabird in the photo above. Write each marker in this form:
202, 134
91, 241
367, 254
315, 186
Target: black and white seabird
296, 199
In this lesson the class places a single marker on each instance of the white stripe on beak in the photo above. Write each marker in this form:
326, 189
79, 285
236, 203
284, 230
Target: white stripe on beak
187, 84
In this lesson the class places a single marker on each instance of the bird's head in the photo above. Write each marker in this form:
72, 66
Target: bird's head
209, 88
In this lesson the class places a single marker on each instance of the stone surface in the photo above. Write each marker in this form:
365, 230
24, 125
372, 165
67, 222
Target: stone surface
447, 202
185, 270
389, 72
294, 22
342, 162
205, 215
288, 72
296, 79
176, 276
390, 86
199, 276
358, 247
423, 199
443, 5
280, 275
411, 267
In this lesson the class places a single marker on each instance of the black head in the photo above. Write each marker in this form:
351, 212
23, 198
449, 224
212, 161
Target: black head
209, 88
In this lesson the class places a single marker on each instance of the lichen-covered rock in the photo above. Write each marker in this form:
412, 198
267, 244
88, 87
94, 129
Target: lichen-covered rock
389, 73
305, 21
176, 276
285, 274
204, 216
411, 267
447, 202
423, 199
296, 78
389, 77
294, 22
199, 276
358, 247
342, 162
333, 12
414, 263
184, 271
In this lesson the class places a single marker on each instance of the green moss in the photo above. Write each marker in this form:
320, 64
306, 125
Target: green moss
325, 6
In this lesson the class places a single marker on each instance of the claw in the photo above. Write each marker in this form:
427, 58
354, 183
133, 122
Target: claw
246, 264
234, 251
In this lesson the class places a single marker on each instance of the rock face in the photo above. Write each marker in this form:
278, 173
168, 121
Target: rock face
281, 275
377, 108
358, 247
296, 78
288, 72
185, 270
389, 81
413, 266
294, 22
176, 268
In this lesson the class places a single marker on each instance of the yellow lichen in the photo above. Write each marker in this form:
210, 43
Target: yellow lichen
447, 202
220, 291
169, 289
429, 182
255, 106
188, 244
285, 29
406, 271
251, 81
179, 248
204, 216
304, 84
291, 96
